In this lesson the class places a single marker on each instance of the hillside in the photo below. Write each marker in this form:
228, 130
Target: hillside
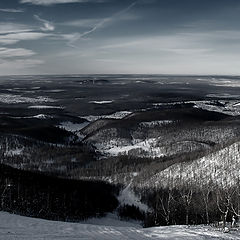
220, 168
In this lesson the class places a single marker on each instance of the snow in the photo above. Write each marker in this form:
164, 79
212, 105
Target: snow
237, 104
147, 147
39, 116
13, 227
116, 115
223, 82
112, 219
73, 127
127, 197
13, 99
101, 102
151, 147
45, 107
227, 107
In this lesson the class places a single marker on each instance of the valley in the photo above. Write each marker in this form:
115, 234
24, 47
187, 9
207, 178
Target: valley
158, 147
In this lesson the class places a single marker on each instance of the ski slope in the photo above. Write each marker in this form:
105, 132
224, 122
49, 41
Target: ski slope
13, 227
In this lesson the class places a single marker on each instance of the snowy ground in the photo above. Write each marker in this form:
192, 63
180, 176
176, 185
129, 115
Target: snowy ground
128, 197
116, 115
14, 227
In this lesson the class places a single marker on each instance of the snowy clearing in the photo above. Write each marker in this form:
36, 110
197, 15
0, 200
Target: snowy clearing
14, 227
146, 147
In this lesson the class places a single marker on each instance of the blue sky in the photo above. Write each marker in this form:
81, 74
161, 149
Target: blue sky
112, 36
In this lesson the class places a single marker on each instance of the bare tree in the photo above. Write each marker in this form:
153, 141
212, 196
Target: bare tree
224, 199
205, 193
186, 196
5, 189
165, 205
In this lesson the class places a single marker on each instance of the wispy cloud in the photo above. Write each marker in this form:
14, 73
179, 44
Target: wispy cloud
84, 23
11, 10
13, 38
47, 25
175, 44
9, 27
15, 52
52, 2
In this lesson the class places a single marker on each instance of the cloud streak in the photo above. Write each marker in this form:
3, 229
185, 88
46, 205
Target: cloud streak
9, 27
11, 10
101, 24
53, 2
84, 23
106, 20
13, 38
15, 52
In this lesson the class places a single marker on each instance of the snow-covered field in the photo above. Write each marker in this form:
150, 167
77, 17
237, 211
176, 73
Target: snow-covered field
13, 227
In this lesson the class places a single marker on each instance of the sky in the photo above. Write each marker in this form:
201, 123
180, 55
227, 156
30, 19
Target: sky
198, 37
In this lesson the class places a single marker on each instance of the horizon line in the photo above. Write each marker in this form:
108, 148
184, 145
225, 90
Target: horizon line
113, 74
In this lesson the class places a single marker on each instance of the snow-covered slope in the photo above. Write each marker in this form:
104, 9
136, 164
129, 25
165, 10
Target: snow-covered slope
14, 227
221, 168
